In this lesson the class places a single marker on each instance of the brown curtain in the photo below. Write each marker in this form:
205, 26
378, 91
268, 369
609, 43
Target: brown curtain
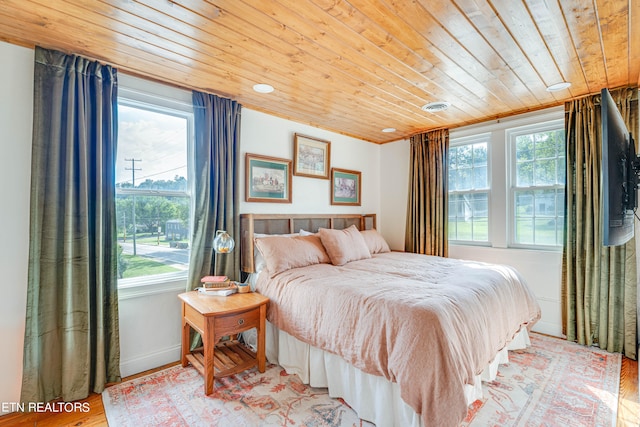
599, 283
426, 230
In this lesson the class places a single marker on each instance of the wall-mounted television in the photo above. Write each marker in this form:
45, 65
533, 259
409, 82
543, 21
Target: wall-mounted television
620, 167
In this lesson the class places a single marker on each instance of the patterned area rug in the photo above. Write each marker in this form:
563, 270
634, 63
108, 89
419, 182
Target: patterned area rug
553, 383
175, 397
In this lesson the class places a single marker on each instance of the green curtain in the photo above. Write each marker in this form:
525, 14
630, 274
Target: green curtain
599, 283
71, 343
216, 194
426, 229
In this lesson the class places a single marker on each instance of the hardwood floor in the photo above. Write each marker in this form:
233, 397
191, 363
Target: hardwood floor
629, 398
95, 417
628, 405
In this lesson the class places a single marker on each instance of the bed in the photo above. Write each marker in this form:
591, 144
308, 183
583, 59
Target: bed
404, 339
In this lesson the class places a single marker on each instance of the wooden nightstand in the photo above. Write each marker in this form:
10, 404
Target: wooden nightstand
215, 317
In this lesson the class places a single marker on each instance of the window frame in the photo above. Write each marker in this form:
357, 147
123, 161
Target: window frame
159, 283
479, 138
510, 138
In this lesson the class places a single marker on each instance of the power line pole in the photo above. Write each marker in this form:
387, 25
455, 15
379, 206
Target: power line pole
133, 181
158, 223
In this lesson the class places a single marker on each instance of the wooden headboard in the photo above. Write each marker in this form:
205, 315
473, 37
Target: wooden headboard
293, 223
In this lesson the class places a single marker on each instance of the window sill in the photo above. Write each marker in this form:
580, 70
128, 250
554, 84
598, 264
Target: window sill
142, 287
468, 251
544, 249
469, 243
539, 248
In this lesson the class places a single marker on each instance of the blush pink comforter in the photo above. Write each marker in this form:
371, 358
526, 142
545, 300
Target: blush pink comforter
428, 323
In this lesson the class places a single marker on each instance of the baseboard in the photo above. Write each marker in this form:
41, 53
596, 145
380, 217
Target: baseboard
148, 361
548, 328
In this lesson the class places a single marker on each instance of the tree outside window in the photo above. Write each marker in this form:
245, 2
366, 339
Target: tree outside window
469, 192
152, 191
538, 181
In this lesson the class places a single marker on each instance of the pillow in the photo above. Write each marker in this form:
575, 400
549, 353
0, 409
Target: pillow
258, 260
375, 242
284, 253
344, 245
306, 233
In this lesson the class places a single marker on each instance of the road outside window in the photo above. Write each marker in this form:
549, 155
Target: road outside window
152, 192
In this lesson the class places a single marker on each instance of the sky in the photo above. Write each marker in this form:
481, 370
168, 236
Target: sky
157, 140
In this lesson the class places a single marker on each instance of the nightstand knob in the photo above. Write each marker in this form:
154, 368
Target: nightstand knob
240, 321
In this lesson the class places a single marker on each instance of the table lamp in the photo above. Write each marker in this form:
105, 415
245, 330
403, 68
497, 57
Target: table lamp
222, 244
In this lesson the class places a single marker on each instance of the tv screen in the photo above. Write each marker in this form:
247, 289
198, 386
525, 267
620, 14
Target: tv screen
619, 179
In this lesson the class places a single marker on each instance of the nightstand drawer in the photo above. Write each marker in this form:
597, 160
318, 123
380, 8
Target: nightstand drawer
235, 323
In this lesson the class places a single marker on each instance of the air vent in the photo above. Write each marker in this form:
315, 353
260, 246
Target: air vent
434, 107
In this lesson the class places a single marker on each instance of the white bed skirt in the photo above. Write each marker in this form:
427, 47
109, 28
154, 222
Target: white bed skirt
374, 398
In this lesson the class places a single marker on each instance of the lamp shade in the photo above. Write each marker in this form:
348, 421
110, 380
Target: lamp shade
223, 243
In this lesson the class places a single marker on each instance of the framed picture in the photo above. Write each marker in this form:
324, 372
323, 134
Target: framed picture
345, 187
311, 157
267, 179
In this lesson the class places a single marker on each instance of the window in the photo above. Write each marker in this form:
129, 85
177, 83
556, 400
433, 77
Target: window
469, 190
537, 184
506, 182
152, 191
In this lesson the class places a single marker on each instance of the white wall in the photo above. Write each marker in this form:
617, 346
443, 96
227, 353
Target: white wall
394, 190
268, 135
150, 325
541, 269
16, 112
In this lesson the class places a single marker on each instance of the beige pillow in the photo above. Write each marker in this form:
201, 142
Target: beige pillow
284, 253
375, 242
258, 260
344, 245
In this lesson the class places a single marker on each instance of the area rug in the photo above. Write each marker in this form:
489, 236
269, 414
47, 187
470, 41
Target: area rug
175, 397
552, 383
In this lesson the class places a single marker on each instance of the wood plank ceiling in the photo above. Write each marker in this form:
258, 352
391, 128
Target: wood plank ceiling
357, 66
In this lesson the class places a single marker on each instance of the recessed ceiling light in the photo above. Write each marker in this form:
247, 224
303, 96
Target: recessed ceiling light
388, 130
263, 88
558, 86
434, 107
